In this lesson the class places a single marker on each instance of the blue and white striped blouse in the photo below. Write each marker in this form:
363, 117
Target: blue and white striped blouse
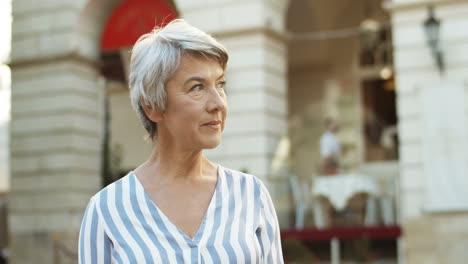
123, 225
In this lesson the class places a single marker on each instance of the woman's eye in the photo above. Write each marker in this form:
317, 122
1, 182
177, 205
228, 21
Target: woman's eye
221, 84
196, 88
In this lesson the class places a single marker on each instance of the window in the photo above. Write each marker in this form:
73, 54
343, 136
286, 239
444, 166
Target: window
379, 126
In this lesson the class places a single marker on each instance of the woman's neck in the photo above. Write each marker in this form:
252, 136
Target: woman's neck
169, 164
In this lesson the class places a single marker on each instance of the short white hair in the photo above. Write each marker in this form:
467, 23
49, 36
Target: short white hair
155, 59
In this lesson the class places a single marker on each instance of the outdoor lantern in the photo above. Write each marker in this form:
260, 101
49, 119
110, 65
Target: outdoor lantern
370, 34
432, 30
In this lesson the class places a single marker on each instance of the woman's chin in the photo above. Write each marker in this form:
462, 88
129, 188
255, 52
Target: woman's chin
212, 144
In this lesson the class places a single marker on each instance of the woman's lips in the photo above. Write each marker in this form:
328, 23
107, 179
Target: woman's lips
213, 124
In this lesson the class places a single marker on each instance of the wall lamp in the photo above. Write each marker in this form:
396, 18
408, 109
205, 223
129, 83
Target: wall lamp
432, 30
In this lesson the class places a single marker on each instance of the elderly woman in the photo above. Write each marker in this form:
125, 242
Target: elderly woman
179, 207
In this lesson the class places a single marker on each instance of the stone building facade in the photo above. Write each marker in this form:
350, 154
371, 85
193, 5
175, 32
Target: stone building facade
282, 83
433, 207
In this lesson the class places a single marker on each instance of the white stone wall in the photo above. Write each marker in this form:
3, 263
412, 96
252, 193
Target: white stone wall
415, 71
428, 237
55, 151
4, 128
5, 38
234, 16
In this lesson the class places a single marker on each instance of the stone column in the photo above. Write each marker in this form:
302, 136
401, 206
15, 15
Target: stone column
253, 33
430, 236
55, 130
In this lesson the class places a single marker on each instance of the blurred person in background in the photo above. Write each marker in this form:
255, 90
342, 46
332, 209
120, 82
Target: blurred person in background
330, 148
179, 207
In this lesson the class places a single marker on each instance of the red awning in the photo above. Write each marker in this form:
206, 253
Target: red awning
133, 18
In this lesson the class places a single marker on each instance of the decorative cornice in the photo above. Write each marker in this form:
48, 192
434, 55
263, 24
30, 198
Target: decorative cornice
391, 6
39, 60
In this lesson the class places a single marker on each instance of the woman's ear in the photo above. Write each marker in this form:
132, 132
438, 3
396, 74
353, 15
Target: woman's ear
155, 115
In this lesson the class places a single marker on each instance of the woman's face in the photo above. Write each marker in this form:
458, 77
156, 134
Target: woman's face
196, 104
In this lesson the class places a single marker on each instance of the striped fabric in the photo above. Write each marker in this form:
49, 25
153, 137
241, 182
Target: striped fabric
122, 225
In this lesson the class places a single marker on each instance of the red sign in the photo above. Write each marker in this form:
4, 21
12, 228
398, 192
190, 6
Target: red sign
133, 18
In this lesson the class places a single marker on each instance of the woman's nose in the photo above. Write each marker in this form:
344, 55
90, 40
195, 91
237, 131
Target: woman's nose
216, 100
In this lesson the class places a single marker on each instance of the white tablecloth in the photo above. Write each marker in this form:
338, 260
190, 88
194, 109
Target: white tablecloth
340, 188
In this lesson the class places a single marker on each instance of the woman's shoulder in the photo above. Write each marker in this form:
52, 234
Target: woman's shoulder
114, 187
241, 176
244, 179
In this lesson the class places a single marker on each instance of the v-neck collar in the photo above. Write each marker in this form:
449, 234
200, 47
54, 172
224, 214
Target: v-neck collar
209, 212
